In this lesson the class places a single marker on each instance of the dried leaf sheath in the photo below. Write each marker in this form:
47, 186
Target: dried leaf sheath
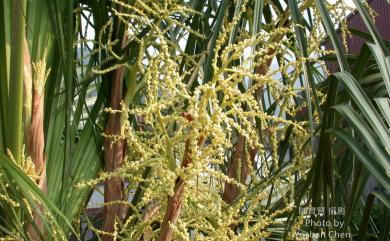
113, 155
231, 192
172, 213
114, 152
27, 89
36, 138
36, 135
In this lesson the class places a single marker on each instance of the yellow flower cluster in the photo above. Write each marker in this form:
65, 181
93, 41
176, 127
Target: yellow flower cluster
184, 117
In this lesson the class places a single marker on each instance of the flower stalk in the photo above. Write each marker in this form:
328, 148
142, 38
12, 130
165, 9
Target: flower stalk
174, 202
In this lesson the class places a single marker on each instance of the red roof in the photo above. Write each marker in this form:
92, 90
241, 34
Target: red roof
382, 22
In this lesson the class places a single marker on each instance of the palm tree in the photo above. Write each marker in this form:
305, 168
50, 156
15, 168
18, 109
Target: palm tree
203, 119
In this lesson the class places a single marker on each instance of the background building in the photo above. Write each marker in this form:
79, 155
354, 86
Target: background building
355, 21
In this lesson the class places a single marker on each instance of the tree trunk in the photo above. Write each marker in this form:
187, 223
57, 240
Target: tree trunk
231, 192
35, 133
172, 213
174, 203
114, 155
27, 90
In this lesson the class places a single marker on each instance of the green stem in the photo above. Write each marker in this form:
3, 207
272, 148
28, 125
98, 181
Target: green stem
68, 77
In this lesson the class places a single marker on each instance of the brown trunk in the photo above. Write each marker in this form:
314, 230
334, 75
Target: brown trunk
36, 144
36, 136
27, 90
37, 220
173, 210
33, 111
174, 203
114, 155
231, 192
152, 210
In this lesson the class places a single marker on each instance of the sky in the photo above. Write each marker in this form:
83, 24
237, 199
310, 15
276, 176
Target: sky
349, 2
90, 34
